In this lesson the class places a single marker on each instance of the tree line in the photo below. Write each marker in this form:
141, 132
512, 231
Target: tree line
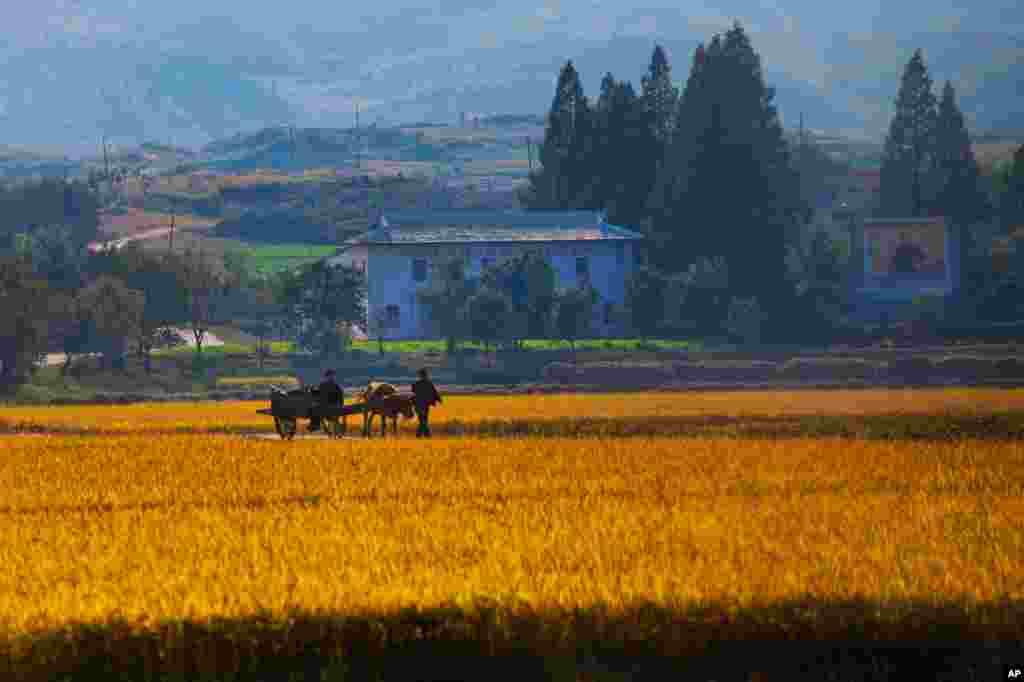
59, 296
725, 200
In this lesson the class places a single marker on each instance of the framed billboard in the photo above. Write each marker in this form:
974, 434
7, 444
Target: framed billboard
907, 250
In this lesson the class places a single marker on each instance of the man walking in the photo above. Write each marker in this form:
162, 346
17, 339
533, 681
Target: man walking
424, 396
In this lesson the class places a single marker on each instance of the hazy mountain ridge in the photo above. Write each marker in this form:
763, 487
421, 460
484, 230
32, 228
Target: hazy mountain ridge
207, 81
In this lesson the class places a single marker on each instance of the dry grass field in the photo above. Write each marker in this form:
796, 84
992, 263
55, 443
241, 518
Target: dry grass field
153, 540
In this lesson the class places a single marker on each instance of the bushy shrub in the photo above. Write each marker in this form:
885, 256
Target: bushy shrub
1010, 368
965, 368
744, 320
825, 369
916, 370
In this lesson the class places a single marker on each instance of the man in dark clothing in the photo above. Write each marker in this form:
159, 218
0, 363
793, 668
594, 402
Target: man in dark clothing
327, 393
424, 396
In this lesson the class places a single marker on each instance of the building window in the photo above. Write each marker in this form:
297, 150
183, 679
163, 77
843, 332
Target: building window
419, 269
486, 263
620, 254
582, 266
609, 313
392, 320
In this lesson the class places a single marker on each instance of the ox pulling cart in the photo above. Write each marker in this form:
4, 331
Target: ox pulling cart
288, 407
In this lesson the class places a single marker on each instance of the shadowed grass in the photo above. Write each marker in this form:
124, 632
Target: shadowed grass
484, 638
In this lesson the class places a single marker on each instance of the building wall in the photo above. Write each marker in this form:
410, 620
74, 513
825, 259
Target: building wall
390, 275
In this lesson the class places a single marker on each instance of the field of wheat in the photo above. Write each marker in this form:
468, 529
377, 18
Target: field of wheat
161, 537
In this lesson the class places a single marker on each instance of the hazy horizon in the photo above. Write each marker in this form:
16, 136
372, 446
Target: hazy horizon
190, 73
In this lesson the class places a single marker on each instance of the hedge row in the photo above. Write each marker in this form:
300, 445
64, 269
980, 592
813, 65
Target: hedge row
909, 369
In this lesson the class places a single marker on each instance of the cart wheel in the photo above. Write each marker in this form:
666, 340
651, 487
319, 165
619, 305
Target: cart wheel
286, 427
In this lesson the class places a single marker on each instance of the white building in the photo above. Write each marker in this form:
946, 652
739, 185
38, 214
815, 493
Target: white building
398, 252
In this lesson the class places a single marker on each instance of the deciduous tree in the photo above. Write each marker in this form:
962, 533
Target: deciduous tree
574, 314
27, 305
445, 300
114, 314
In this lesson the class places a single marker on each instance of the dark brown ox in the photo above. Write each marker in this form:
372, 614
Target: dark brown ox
388, 407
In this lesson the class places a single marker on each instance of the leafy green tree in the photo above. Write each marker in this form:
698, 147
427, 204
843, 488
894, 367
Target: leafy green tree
528, 284
574, 314
35, 205
445, 300
204, 294
697, 300
487, 316
114, 313
817, 272
56, 256
26, 302
541, 295
744, 320
909, 154
165, 300
645, 303
318, 298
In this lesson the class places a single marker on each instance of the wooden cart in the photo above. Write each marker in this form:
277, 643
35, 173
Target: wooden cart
288, 407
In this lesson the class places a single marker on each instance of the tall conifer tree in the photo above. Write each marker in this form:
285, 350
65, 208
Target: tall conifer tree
619, 146
1012, 201
728, 187
562, 155
959, 195
659, 100
909, 146
659, 97
678, 175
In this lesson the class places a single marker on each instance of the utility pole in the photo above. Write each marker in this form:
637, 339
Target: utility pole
803, 143
359, 140
106, 160
529, 152
170, 241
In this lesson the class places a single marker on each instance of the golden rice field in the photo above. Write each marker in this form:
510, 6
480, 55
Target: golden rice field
549, 414
152, 538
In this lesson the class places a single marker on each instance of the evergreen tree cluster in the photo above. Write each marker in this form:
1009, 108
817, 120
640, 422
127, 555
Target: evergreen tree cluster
605, 155
705, 174
929, 168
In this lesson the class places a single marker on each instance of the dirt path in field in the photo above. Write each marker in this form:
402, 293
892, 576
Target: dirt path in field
138, 236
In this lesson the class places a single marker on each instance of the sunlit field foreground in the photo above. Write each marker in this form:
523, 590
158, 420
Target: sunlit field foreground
205, 555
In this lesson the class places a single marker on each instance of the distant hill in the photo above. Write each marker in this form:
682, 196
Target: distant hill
502, 120
208, 78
